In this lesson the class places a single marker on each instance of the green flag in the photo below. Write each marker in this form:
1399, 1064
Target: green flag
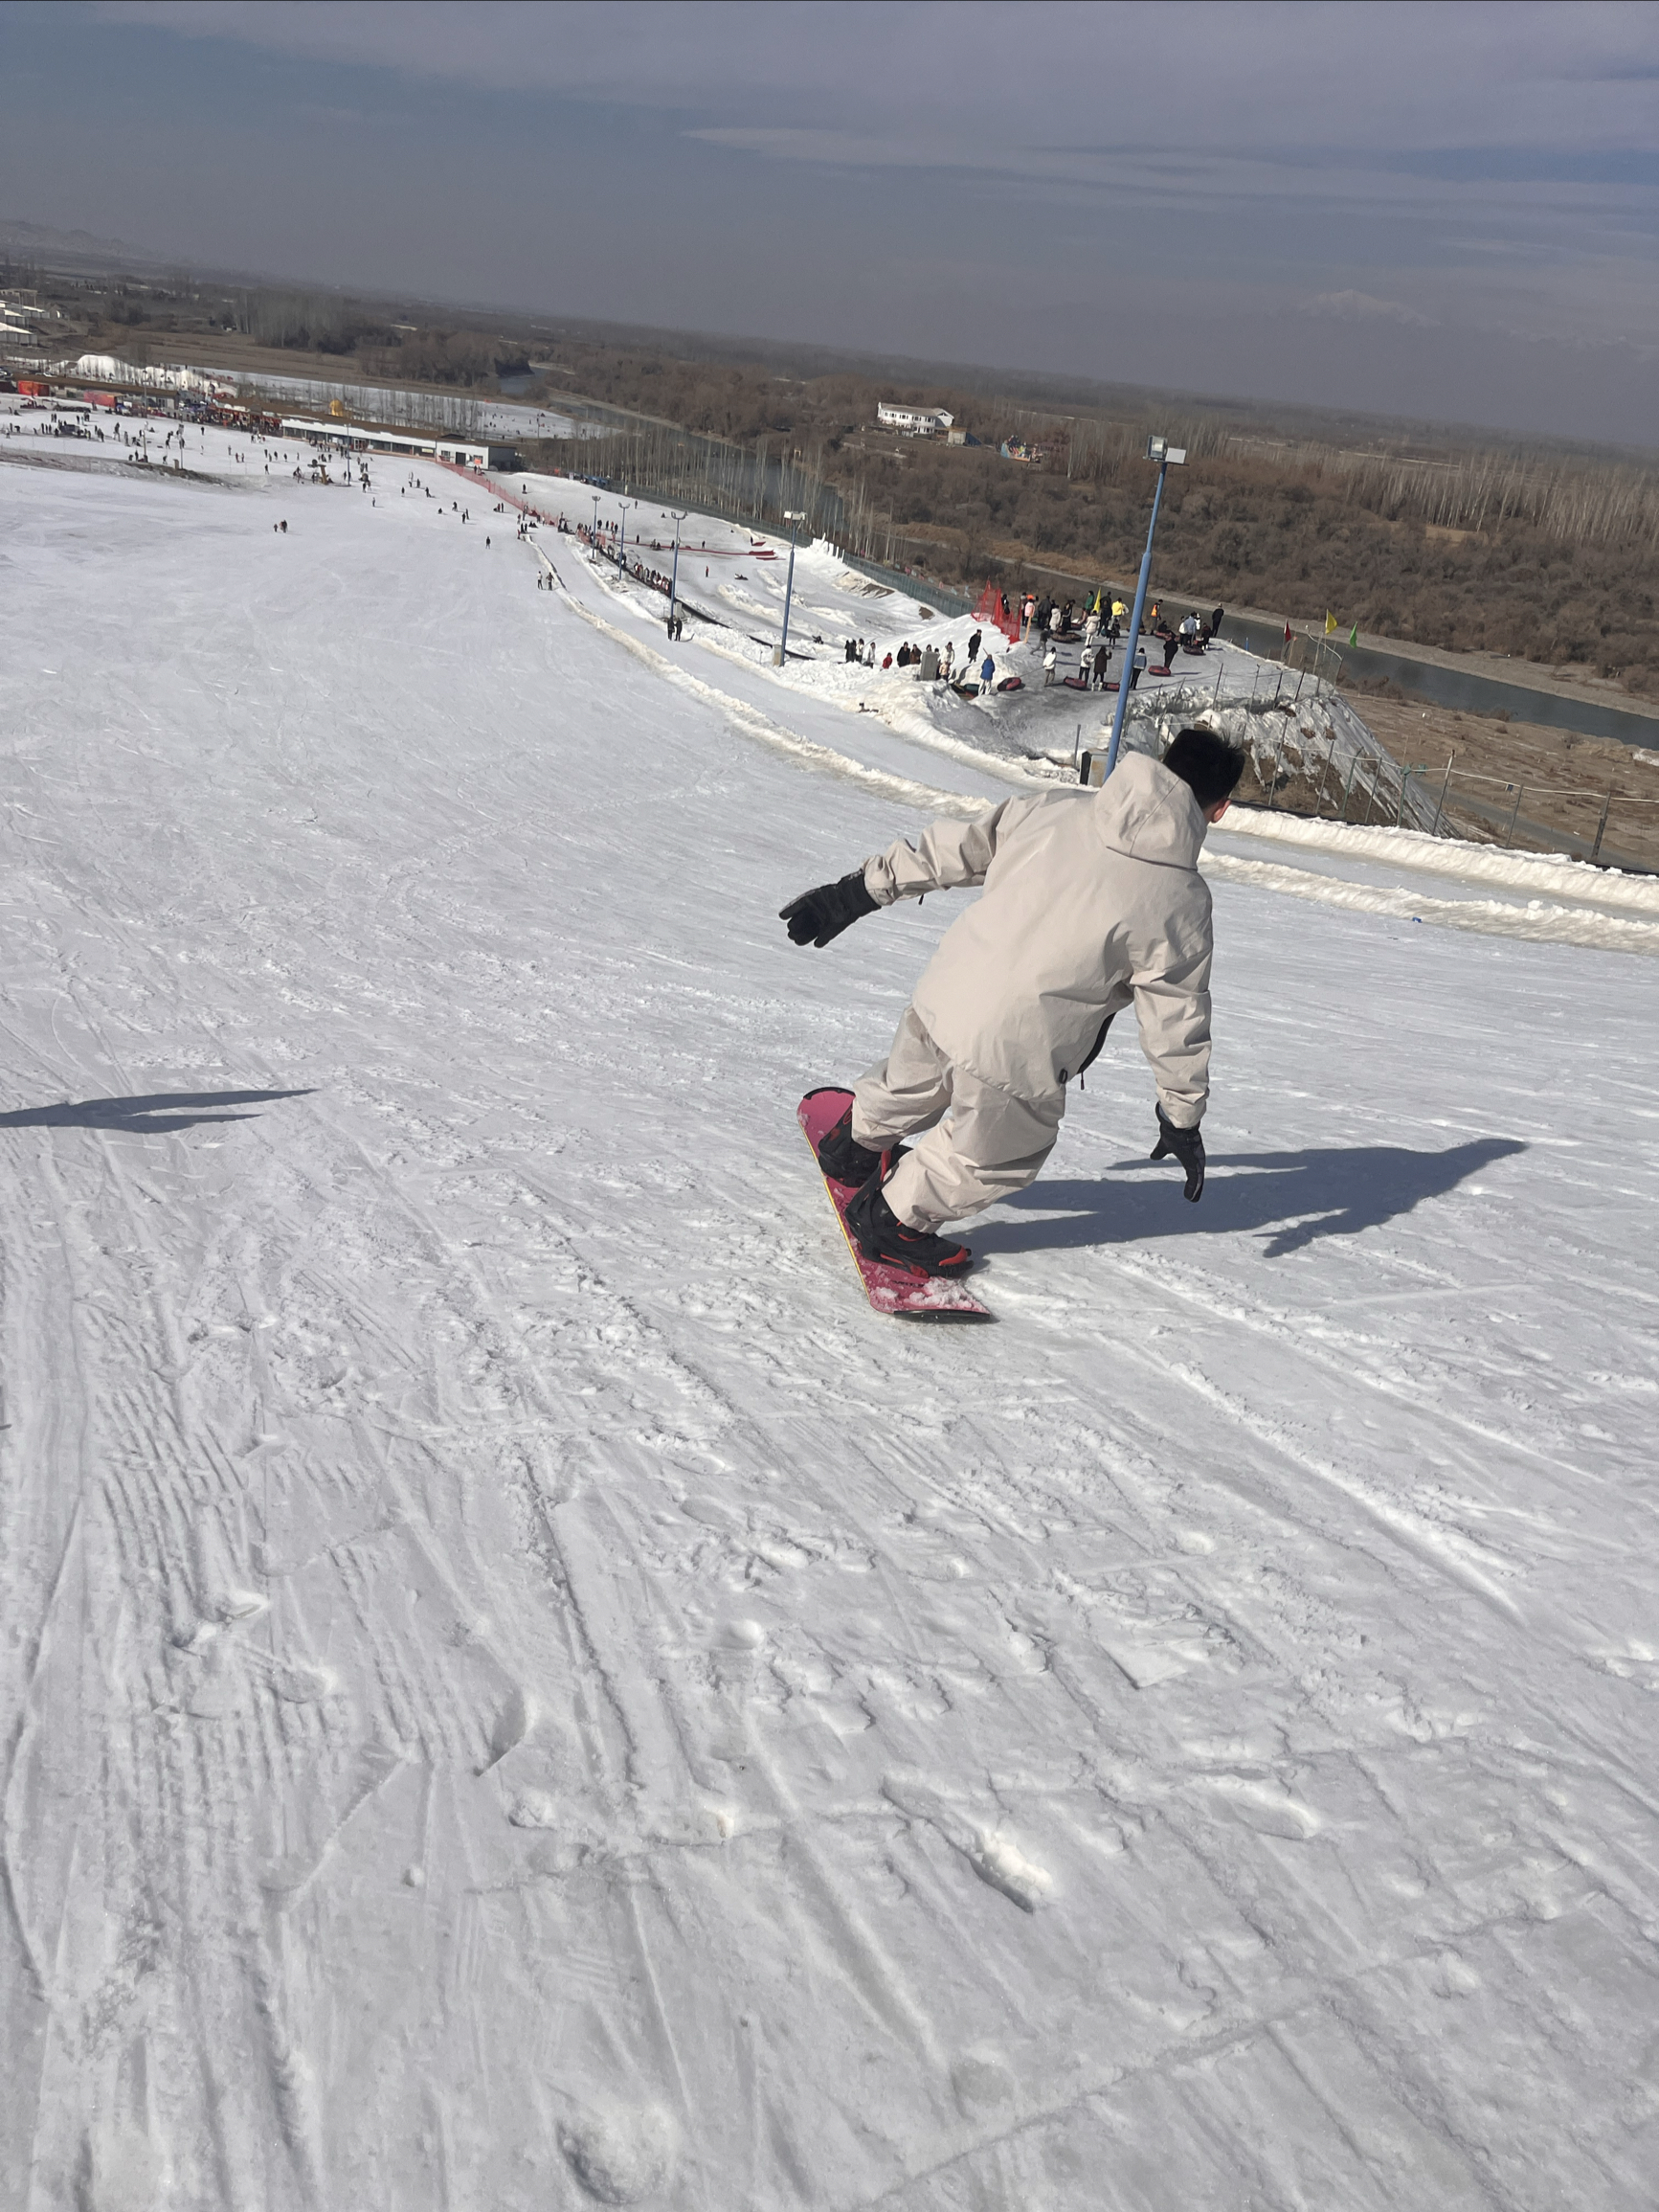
1353, 635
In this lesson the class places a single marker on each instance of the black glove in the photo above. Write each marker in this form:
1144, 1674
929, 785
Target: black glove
817, 916
1187, 1146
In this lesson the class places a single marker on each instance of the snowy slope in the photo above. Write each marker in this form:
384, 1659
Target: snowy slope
519, 1691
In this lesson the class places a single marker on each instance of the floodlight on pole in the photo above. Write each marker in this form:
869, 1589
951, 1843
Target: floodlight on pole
674, 573
594, 548
622, 506
794, 516
1167, 457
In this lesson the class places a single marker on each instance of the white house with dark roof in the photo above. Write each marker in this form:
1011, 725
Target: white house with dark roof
914, 421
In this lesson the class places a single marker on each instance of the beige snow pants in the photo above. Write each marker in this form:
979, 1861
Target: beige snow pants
987, 1146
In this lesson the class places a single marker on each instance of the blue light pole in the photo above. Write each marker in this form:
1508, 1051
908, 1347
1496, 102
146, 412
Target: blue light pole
674, 576
792, 516
1167, 457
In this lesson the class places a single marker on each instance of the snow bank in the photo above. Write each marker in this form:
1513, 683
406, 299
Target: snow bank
1423, 855
1536, 921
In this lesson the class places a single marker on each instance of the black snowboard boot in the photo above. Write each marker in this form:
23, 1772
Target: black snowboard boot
881, 1235
845, 1160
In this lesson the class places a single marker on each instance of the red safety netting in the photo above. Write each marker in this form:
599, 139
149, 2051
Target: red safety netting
994, 608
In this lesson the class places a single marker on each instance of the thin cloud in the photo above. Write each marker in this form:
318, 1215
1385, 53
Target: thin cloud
1361, 308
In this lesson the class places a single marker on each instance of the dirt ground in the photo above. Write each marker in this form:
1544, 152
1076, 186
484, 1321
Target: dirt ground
1559, 779
1551, 782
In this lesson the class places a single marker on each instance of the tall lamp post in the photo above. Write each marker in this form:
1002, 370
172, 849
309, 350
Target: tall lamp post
622, 506
1167, 457
594, 545
794, 516
674, 573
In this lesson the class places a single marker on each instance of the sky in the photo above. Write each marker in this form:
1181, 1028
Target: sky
1445, 211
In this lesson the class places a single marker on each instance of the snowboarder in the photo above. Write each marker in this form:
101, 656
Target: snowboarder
1092, 901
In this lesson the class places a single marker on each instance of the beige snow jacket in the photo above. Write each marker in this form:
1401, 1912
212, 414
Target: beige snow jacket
1092, 898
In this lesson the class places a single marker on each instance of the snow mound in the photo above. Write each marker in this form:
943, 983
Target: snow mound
1425, 855
1536, 922
619, 2156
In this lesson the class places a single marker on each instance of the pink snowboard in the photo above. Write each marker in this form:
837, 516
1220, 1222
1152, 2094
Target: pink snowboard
890, 1288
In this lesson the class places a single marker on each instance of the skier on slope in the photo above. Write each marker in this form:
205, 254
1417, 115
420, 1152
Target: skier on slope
1092, 899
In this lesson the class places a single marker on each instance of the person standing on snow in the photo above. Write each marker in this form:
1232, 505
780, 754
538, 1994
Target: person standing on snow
986, 671
1092, 901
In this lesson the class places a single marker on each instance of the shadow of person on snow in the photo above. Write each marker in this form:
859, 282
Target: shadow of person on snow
162, 1111
1299, 1196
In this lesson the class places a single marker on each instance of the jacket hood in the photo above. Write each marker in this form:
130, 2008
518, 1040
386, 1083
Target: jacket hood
1150, 814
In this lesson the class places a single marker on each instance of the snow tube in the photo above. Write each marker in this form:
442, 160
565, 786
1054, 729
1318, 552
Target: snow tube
1074, 683
1012, 684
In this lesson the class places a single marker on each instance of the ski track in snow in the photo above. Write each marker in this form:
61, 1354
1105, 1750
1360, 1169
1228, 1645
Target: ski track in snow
518, 1690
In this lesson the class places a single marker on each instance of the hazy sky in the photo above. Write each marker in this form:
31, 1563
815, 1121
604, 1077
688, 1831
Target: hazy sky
1441, 210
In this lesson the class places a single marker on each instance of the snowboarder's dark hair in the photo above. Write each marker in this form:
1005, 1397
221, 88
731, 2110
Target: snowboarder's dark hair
1207, 765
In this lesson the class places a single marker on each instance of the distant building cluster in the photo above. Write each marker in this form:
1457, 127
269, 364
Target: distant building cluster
21, 314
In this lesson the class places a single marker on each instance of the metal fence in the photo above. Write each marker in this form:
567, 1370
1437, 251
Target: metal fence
712, 476
924, 588
1310, 755
1589, 823
399, 408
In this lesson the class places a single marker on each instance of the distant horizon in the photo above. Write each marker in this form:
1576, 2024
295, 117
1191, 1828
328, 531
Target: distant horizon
1412, 212
117, 257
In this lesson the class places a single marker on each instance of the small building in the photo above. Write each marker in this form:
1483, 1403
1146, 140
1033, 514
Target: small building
435, 444
914, 421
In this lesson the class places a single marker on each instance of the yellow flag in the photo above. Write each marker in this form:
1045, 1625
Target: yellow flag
1330, 622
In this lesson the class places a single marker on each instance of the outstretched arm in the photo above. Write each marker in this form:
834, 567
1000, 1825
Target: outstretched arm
948, 855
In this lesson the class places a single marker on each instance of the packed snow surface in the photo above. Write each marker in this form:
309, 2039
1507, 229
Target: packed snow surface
518, 1691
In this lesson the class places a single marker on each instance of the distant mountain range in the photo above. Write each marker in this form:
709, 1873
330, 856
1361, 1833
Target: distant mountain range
39, 242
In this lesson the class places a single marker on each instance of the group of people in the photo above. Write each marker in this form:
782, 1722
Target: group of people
1052, 623
930, 664
651, 578
1092, 667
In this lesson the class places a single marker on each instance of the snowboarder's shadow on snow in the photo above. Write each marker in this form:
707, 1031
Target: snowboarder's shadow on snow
147, 1116
1301, 1196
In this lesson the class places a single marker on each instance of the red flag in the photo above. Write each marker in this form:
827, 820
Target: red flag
1287, 633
